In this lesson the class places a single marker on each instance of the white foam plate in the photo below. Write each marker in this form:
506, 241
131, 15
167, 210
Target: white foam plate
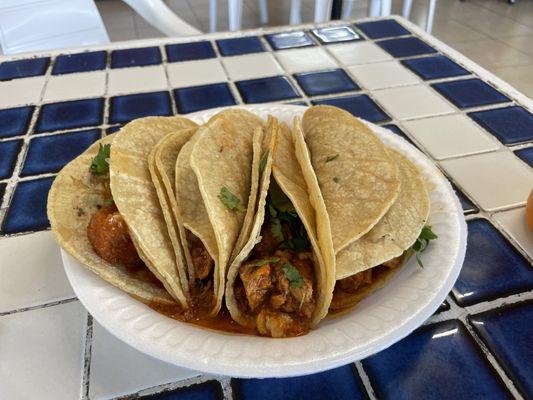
381, 319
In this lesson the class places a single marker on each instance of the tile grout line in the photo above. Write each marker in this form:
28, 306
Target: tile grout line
367, 384
39, 306
227, 390
170, 89
231, 84
87, 358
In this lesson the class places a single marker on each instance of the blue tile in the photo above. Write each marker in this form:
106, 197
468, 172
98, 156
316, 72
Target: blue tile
466, 203
14, 121
70, 115
203, 97
325, 82
2, 190
125, 108
406, 47
23, 68
438, 361
135, 57
289, 40
361, 106
507, 331
336, 34
112, 129
399, 132
204, 391
50, 153
28, 207
382, 29
245, 45
526, 155
470, 93
9, 151
266, 89
339, 383
443, 307
81, 62
493, 267
189, 51
510, 124
434, 67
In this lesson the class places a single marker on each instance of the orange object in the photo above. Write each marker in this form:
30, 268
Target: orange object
529, 211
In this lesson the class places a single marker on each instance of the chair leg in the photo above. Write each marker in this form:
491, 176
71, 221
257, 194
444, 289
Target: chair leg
431, 15
235, 14
263, 12
347, 9
213, 13
374, 8
386, 6
296, 12
322, 10
406, 11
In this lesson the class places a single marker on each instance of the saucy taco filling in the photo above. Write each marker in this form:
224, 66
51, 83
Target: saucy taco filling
201, 284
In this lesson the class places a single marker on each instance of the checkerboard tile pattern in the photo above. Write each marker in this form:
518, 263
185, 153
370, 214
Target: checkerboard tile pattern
476, 129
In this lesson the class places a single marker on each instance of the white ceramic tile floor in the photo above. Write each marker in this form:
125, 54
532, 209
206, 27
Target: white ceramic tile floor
450, 136
136, 79
358, 53
41, 353
383, 75
21, 91
302, 60
514, 223
194, 73
75, 86
494, 180
251, 66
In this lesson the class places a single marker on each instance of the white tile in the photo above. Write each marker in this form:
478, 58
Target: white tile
383, 75
195, 73
75, 86
118, 369
515, 224
42, 353
450, 136
251, 66
300, 60
494, 180
136, 79
18, 92
31, 272
412, 102
363, 52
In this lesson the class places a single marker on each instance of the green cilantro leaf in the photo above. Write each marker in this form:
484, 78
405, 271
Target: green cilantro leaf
230, 200
421, 243
263, 162
293, 275
100, 162
265, 261
109, 202
333, 157
278, 199
276, 229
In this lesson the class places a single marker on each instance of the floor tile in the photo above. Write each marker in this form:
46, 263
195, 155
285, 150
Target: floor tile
75, 86
336, 34
451, 31
15, 121
303, 60
492, 268
42, 353
361, 106
20, 92
9, 152
470, 93
251, 66
507, 331
195, 73
70, 115
363, 52
412, 102
266, 89
339, 383
450, 136
468, 206
210, 390
289, 40
520, 42
514, 223
136, 79
382, 29
39, 279
510, 125
435, 67
109, 378
198, 98
189, 51
80, 62
383, 75
438, 361
135, 57
238, 46
494, 180
125, 108
406, 47
325, 82
526, 155
491, 53
517, 76
23, 68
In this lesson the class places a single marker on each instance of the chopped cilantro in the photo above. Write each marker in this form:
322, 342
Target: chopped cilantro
421, 243
276, 229
109, 202
229, 199
335, 179
265, 261
293, 275
263, 162
100, 162
331, 158
278, 199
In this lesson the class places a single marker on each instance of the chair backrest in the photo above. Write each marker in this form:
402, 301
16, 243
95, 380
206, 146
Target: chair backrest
33, 25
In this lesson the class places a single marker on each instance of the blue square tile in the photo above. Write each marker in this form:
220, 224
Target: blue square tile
507, 331
336, 34
189, 51
2, 190
23, 68
70, 115
266, 89
28, 207
382, 29
395, 129
439, 361
50, 153
470, 93
434, 67
526, 155
361, 106
204, 391
9, 151
325, 82
510, 125
203, 97
125, 108
135, 57
466, 203
443, 307
492, 268
14, 121
81, 62
406, 47
289, 40
245, 45
112, 129
339, 383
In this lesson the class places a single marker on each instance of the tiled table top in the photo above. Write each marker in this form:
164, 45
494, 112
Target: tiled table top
477, 128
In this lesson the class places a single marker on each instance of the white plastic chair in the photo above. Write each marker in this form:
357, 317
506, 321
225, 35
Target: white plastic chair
407, 4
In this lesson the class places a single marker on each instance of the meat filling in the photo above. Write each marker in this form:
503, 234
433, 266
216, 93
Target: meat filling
201, 260
201, 286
